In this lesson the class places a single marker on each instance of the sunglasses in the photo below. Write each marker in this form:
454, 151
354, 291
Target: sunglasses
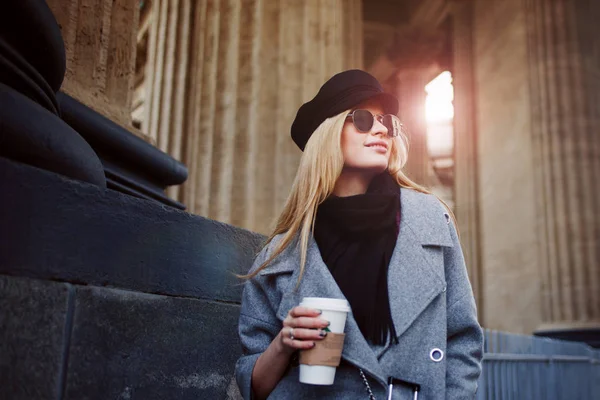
363, 121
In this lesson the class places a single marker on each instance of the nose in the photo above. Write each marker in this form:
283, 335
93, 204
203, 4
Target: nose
378, 128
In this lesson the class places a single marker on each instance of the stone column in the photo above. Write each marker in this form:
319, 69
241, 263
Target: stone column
224, 81
466, 190
564, 68
100, 40
353, 34
410, 90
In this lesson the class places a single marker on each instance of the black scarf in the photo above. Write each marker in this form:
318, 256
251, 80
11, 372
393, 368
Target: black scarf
356, 236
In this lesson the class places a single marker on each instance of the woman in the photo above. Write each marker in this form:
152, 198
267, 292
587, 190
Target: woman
355, 227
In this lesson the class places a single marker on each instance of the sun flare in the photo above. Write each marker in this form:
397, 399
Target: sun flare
438, 103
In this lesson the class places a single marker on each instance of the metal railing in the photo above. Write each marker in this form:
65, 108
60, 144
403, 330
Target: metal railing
532, 368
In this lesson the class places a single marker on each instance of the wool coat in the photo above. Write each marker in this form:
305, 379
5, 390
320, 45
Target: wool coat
440, 342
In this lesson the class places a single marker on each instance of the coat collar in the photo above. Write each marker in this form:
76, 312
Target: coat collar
412, 280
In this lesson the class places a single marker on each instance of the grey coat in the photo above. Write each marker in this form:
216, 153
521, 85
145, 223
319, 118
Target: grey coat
432, 308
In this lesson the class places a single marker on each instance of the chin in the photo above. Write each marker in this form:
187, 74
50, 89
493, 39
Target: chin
372, 163
378, 164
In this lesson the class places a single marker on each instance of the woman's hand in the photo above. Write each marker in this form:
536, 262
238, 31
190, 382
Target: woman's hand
301, 328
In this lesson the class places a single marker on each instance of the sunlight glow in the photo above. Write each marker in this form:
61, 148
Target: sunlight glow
439, 114
438, 104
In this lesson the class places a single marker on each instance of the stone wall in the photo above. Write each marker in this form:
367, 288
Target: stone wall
104, 295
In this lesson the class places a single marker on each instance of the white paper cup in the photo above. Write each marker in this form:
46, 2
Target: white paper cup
335, 311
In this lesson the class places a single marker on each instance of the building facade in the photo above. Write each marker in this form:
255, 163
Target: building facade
216, 85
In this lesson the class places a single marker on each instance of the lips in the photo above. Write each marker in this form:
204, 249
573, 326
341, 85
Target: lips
378, 144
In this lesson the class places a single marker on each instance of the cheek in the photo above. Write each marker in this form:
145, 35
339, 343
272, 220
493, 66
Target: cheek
352, 145
345, 140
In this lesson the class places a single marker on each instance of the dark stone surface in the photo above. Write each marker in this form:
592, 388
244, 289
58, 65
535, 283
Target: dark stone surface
131, 165
55, 228
33, 135
32, 51
128, 345
588, 336
33, 316
32, 68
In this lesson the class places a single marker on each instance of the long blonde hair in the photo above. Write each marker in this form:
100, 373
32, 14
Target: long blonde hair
320, 166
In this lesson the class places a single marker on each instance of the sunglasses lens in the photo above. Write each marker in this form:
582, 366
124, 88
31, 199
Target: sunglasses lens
392, 124
363, 120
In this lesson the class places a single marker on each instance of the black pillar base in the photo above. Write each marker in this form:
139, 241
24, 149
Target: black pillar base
591, 336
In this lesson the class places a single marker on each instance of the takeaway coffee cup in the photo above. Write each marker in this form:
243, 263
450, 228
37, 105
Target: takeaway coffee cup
318, 365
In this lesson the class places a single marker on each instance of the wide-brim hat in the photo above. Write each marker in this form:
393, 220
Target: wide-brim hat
340, 93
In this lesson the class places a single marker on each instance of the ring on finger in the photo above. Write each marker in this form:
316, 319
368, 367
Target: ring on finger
291, 333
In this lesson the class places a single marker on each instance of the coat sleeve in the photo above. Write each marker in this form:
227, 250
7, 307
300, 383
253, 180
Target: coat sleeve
258, 326
465, 336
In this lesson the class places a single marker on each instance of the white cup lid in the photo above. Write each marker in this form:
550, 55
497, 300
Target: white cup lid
324, 303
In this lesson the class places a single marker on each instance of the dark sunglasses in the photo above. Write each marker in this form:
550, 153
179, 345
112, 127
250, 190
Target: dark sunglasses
363, 121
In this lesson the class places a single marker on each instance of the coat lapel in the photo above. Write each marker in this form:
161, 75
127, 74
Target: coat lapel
415, 275
318, 282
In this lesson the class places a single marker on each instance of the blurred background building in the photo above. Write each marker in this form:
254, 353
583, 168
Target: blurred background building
501, 99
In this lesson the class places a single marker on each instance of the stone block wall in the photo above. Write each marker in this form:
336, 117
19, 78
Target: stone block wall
69, 341
106, 296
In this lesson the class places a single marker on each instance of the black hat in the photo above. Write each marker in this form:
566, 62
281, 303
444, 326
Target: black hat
341, 92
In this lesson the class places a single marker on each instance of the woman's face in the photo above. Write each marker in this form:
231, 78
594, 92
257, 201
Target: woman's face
368, 151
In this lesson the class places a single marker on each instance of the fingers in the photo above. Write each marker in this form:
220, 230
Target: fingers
298, 344
306, 322
307, 328
302, 338
302, 317
303, 312
308, 334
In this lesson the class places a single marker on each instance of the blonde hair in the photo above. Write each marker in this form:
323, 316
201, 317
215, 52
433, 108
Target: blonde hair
320, 166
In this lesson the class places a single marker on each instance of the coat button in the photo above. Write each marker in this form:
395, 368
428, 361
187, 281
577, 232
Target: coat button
447, 218
436, 355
